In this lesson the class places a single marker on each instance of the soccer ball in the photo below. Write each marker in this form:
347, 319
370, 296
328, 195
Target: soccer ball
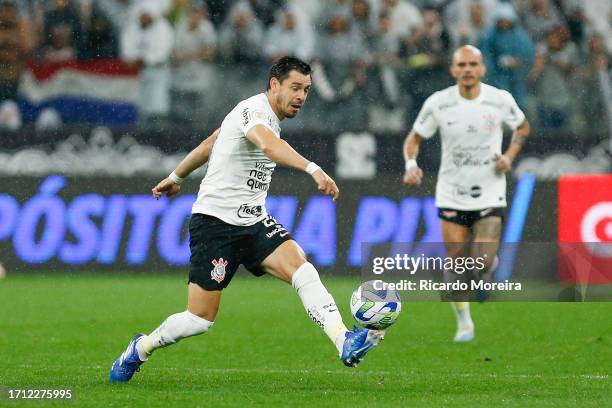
375, 309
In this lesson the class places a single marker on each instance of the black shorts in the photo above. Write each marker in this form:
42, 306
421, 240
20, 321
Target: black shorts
218, 248
469, 218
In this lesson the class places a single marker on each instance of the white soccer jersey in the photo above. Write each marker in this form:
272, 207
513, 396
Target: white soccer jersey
471, 133
239, 174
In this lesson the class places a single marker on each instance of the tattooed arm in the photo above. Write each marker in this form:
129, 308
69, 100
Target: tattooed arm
504, 161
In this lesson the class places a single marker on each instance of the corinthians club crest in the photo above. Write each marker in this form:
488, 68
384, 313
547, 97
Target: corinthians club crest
218, 272
490, 123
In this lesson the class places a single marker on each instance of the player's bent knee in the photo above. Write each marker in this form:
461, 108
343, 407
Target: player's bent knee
204, 310
287, 261
297, 261
490, 263
294, 256
203, 303
203, 313
200, 324
304, 275
293, 265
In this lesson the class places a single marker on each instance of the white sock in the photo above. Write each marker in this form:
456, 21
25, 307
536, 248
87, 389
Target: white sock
319, 304
462, 312
174, 328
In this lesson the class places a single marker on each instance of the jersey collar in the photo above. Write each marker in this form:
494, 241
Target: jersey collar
470, 101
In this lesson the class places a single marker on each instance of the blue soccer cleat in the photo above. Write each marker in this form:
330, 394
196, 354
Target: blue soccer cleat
357, 343
127, 363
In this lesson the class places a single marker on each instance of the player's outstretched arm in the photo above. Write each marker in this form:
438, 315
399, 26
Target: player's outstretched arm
171, 185
503, 163
281, 153
413, 174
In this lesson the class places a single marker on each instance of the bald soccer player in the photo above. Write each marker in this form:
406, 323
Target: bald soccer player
471, 186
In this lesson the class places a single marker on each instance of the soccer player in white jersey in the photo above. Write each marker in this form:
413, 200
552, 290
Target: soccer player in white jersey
229, 224
471, 186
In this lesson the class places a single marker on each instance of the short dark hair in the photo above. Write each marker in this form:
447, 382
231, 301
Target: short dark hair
285, 65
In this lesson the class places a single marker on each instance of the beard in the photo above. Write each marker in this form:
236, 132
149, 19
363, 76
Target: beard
289, 114
471, 83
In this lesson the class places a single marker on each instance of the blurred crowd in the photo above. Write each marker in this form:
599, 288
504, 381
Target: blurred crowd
375, 61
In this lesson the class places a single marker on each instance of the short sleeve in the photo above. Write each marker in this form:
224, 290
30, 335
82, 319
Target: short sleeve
512, 115
252, 116
426, 123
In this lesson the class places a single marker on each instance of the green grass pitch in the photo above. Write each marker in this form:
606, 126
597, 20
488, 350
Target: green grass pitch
65, 331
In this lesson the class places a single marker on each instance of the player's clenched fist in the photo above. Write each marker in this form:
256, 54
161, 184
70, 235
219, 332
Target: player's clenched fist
167, 186
413, 175
326, 184
503, 163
